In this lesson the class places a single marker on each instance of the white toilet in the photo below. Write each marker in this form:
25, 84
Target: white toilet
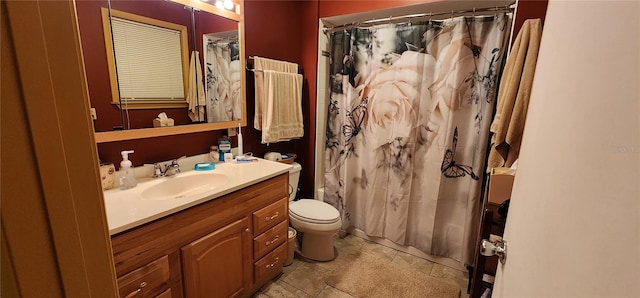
316, 220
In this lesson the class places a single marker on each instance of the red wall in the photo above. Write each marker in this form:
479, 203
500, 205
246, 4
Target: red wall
94, 51
529, 9
329, 8
272, 30
283, 30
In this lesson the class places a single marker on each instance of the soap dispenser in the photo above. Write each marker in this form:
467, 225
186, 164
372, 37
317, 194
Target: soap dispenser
127, 176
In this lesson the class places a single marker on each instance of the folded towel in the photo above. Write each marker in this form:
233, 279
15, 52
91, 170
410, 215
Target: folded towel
261, 64
282, 110
513, 97
195, 93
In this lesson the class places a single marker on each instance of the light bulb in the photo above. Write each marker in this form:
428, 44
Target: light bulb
219, 4
228, 4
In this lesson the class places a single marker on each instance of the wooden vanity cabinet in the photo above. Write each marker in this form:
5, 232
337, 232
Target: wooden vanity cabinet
208, 250
226, 254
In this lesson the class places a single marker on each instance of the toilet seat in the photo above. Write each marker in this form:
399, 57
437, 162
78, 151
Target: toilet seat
314, 211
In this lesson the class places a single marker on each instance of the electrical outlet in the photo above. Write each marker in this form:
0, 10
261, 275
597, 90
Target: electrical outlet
94, 115
232, 132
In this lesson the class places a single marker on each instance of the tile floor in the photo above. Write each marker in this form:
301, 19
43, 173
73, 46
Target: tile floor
306, 279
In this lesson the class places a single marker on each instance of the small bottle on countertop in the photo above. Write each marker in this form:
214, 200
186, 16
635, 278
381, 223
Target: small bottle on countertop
127, 176
213, 154
224, 147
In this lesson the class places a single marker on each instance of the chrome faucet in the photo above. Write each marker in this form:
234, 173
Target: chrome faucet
157, 171
172, 168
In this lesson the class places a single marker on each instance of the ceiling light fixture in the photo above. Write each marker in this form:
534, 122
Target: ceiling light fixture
229, 5
219, 4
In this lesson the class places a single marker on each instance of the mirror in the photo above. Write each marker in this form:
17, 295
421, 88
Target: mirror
206, 25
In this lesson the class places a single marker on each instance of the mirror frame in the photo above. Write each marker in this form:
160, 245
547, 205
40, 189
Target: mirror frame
116, 100
132, 134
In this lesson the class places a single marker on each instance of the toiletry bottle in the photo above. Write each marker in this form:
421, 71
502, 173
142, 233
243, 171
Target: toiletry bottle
224, 146
213, 154
127, 176
240, 149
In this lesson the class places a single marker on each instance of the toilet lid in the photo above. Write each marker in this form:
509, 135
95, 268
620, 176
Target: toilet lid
314, 211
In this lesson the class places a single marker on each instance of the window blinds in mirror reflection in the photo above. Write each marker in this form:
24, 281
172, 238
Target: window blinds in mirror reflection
149, 61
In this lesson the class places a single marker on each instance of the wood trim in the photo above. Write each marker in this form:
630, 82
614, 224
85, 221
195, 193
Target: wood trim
152, 104
54, 94
184, 49
135, 134
243, 63
111, 60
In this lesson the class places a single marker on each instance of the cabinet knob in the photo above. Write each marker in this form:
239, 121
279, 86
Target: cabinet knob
274, 216
246, 230
273, 241
137, 291
274, 263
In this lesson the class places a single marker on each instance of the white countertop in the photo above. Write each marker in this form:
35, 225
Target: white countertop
126, 209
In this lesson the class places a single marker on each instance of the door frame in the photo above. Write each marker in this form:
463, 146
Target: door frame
52, 198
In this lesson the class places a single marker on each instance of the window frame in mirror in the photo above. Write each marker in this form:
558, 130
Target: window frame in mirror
132, 134
111, 63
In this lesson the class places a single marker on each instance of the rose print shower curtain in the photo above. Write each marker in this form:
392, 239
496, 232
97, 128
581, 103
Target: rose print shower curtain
223, 80
408, 124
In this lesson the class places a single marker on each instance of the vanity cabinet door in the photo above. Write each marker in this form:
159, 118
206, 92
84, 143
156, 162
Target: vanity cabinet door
219, 264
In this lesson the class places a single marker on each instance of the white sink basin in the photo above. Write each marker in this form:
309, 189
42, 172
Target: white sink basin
185, 186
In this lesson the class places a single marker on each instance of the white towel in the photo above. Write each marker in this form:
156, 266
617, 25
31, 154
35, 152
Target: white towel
196, 101
282, 110
260, 64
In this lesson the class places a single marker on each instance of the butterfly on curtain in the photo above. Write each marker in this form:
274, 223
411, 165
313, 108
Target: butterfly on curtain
355, 118
449, 167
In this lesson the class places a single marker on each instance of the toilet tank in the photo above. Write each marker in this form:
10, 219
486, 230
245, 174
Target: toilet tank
294, 177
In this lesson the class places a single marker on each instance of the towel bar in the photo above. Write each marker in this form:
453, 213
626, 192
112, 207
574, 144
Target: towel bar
300, 70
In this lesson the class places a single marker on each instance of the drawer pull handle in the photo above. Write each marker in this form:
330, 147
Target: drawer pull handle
274, 263
273, 241
272, 217
136, 292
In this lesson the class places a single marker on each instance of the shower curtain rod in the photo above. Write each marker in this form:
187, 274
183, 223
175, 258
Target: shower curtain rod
419, 16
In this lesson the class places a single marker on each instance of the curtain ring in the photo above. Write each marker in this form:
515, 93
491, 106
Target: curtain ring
474, 12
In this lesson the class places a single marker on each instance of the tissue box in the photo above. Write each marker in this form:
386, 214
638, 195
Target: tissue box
162, 123
500, 184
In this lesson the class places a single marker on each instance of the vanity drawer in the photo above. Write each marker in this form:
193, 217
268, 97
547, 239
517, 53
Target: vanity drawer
270, 215
270, 264
147, 281
266, 241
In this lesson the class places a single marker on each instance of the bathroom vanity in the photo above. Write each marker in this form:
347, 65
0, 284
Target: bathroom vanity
227, 242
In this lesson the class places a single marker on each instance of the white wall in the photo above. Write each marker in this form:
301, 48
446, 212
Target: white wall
574, 224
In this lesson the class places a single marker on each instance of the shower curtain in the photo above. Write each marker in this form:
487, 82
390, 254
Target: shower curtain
407, 131
223, 81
